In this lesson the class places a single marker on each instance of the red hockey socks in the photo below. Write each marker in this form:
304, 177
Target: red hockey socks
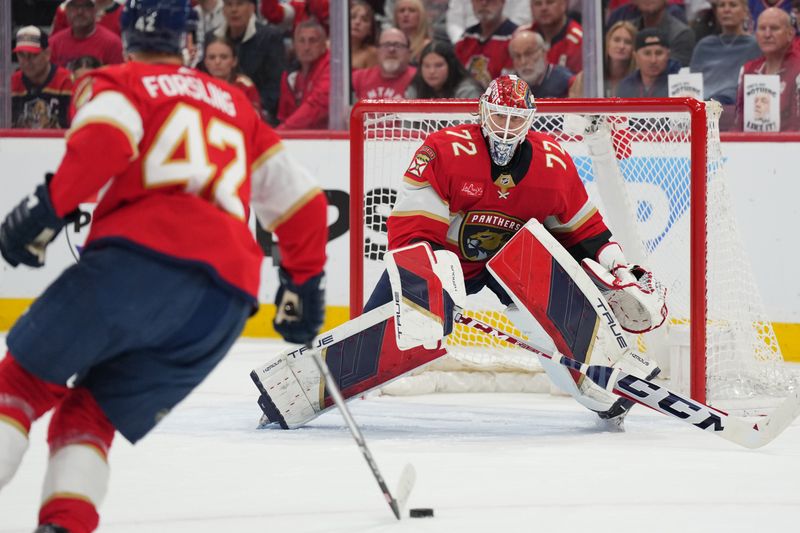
23, 399
80, 436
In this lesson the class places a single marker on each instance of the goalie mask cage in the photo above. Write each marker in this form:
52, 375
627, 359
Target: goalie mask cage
655, 170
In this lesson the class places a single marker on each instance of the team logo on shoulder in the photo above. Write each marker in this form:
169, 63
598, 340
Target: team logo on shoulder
421, 159
483, 233
83, 92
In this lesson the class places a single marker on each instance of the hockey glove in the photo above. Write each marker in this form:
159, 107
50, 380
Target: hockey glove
636, 297
300, 309
29, 228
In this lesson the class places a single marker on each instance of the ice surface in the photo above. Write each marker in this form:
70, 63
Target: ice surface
485, 462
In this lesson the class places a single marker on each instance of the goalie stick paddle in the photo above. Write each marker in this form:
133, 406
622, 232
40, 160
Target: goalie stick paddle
750, 434
408, 476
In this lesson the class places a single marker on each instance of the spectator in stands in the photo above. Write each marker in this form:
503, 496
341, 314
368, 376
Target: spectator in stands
441, 75
652, 54
774, 34
704, 21
305, 91
562, 35
83, 65
461, 16
391, 76
363, 30
108, 12
618, 62
720, 57
289, 14
627, 10
40, 90
262, 56
758, 6
436, 12
410, 18
84, 37
483, 49
528, 54
654, 14
219, 60
209, 19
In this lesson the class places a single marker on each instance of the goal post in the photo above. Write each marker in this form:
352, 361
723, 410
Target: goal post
665, 154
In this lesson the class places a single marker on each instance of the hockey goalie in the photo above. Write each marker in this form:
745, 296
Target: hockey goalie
491, 205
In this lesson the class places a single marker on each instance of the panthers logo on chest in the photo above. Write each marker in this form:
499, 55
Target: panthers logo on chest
483, 233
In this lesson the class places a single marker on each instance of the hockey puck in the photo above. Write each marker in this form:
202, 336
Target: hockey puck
420, 513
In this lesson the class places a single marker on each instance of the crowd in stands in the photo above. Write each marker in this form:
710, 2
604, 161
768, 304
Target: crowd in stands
277, 52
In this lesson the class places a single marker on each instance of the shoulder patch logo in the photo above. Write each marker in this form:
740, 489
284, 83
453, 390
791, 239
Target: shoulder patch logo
424, 155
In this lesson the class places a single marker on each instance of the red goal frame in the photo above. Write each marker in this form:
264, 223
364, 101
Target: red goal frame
698, 208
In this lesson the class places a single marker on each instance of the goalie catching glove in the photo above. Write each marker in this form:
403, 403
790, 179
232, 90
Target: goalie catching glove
300, 309
636, 297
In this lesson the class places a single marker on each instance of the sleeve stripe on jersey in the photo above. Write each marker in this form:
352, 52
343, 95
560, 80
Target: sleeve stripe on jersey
280, 187
425, 214
294, 209
424, 200
112, 108
411, 182
274, 149
579, 219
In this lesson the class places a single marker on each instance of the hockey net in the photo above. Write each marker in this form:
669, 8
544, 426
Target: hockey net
655, 170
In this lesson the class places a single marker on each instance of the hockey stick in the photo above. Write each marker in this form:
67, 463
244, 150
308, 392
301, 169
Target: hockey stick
737, 430
407, 477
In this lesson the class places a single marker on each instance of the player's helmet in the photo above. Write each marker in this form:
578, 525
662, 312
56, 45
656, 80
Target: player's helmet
155, 25
507, 109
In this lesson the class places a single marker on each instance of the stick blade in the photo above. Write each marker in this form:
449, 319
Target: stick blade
761, 432
404, 486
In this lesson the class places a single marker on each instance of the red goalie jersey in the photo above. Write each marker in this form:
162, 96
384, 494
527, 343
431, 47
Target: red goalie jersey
454, 196
189, 155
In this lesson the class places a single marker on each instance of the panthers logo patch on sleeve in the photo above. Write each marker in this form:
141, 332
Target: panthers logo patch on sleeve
421, 160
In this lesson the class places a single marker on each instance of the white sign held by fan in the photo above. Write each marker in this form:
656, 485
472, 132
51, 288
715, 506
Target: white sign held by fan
762, 102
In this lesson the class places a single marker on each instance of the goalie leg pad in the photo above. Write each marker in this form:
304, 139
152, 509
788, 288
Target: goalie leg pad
361, 354
545, 281
425, 287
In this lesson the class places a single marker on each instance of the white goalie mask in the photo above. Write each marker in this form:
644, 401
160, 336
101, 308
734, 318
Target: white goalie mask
506, 109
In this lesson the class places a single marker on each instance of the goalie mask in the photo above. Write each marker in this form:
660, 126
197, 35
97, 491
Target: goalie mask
506, 110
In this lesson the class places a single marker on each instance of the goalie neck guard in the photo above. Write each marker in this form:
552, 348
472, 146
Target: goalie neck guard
506, 109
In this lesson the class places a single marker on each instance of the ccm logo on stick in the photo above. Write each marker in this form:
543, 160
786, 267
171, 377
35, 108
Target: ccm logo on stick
658, 398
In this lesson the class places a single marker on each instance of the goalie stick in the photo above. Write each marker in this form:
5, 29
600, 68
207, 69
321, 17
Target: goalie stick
407, 477
734, 429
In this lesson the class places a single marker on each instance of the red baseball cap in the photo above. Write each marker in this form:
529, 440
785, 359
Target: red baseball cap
31, 39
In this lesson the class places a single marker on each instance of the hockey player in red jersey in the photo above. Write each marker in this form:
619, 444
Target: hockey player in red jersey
468, 190
170, 270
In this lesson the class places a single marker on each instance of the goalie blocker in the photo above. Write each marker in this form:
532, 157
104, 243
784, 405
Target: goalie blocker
544, 281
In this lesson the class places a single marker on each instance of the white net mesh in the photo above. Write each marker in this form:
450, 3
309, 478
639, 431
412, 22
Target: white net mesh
637, 170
